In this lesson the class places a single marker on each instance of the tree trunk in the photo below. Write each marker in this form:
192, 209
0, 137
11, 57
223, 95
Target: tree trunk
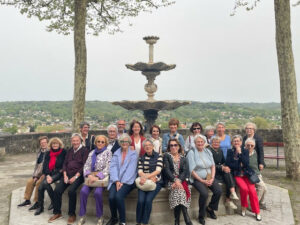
288, 89
80, 63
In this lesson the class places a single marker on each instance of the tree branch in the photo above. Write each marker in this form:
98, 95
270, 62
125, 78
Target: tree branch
151, 3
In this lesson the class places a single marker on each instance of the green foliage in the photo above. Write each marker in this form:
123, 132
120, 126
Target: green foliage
102, 15
261, 123
48, 129
12, 130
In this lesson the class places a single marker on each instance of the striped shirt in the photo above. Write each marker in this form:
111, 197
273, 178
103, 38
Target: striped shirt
150, 163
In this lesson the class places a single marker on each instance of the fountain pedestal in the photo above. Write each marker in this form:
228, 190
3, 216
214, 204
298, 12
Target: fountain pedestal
151, 107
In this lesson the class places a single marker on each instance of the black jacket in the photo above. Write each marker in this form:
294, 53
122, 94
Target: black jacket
56, 173
238, 163
168, 169
115, 147
259, 148
219, 161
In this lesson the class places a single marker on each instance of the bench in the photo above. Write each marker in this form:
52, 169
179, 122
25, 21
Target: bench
277, 156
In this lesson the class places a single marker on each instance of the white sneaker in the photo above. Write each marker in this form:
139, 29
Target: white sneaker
258, 217
233, 196
230, 204
100, 221
243, 212
81, 221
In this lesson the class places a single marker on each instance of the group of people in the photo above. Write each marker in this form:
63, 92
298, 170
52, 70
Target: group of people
122, 161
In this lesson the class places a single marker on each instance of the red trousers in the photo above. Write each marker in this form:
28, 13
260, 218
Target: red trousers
247, 188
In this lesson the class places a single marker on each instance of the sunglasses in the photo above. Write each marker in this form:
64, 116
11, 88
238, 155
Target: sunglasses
196, 128
102, 142
175, 145
251, 146
122, 142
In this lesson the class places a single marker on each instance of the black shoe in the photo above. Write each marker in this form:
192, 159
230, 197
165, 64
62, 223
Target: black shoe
186, 216
112, 221
50, 207
201, 220
211, 213
25, 203
38, 211
35, 206
177, 211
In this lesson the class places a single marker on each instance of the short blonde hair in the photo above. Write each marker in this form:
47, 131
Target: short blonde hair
56, 140
101, 136
250, 124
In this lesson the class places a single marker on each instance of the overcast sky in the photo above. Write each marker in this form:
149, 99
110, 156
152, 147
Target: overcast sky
218, 57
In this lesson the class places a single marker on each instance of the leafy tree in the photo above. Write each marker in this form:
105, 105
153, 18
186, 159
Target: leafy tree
261, 123
288, 87
81, 16
12, 130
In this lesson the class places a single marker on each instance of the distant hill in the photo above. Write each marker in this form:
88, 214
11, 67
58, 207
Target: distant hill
34, 113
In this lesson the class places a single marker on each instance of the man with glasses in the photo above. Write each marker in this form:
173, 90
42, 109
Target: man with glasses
121, 127
112, 133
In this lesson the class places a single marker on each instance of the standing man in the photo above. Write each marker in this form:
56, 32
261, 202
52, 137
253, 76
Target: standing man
121, 127
113, 144
37, 176
72, 178
88, 139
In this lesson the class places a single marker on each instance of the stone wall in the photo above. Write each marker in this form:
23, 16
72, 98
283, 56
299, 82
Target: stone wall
23, 143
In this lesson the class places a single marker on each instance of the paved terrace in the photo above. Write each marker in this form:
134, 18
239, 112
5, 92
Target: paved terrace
16, 169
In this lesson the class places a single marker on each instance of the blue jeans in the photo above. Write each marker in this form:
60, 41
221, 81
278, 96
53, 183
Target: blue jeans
117, 200
144, 204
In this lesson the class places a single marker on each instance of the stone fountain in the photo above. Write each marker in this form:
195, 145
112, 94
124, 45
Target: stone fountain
151, 107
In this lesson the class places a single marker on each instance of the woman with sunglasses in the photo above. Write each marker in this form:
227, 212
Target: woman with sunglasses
203, 170
195, 129
176, 174
261, 187
123, 171
95, 168
238, 162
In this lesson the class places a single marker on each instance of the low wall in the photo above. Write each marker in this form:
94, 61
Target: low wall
23, 143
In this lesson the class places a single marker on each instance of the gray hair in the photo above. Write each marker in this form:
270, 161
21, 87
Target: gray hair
208, 128
199, 136
147, 140
237, 136
112, 126
251, 124
77, 135
220, 123
123, 137
82, 124
250, 140
215, 138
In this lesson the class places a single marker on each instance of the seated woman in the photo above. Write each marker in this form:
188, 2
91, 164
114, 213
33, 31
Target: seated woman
202, 169
223, 172
173, 134
52, 171
176, 174
238, 161
261, 187
195, 129
149, 168
156, 139
95, 168
136, 133
225, 143
121, 181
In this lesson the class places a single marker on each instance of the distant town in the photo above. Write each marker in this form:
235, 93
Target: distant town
56, 116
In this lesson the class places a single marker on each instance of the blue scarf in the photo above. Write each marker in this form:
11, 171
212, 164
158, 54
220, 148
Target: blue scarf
94, 156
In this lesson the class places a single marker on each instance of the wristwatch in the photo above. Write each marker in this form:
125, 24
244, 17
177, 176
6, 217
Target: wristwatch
76, 177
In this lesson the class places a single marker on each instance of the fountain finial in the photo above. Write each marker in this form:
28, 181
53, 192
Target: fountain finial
151, 40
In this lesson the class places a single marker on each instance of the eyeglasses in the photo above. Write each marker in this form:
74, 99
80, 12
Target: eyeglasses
251, 146
249, 128
122, 142
175, 145
121, 124
111, 131
102, 142
196, 128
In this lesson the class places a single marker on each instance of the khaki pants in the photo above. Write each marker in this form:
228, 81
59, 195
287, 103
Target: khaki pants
261, 190
30, 186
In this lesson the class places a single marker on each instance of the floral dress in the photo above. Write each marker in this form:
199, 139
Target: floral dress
177, 196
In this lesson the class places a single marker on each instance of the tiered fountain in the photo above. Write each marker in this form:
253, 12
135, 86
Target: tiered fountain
151, 107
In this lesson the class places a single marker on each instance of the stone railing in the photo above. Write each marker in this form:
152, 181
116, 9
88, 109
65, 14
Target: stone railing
23, 143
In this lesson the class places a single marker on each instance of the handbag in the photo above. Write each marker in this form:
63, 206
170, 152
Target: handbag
254, 179
149, 185
97, 183
38, 170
